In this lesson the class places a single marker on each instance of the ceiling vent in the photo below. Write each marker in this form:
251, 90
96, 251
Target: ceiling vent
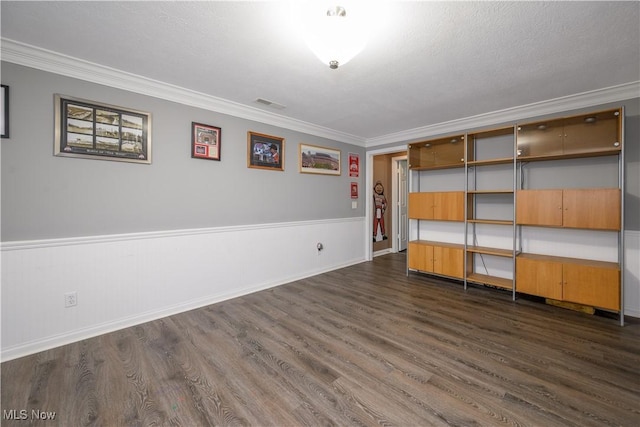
270, 104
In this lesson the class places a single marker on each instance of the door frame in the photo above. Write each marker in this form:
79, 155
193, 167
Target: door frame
368, 205
395, 200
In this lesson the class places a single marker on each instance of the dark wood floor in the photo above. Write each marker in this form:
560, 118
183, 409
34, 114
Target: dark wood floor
361, 346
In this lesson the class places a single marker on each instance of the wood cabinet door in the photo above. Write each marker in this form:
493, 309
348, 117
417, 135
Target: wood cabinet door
420, 257
421, 205
448, 261
592, 208
539, 207
448, 206
539, 277
594, 286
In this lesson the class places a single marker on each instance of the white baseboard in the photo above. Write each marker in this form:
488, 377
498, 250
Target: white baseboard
632, 273
130, 279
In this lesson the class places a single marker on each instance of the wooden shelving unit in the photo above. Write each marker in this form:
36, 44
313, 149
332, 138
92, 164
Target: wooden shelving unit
498, 220
572, 205
490, 153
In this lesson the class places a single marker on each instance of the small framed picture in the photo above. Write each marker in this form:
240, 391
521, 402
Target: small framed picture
320, 160
354, 165
4, 112
205, 141
265, 151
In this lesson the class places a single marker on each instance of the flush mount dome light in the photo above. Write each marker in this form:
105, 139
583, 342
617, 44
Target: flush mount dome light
335, 32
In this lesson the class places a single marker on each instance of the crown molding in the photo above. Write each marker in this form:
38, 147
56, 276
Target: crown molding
57, 63
552, 106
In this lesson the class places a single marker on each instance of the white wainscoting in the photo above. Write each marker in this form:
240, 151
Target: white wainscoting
632, 273
126, 280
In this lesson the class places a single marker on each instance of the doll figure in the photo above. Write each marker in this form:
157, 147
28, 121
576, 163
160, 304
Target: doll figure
380, 206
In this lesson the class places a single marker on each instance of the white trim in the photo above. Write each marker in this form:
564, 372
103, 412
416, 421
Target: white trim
50, 342
395, 217
157, 275
368, 209
48, 243
592, 98
382, 252
57, 63
632, 273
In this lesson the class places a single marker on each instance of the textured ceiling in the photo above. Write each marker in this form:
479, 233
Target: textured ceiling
431, 62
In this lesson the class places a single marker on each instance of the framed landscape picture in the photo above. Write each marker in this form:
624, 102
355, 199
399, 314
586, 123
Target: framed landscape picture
265, 151
91, 130
205, 141
320, 160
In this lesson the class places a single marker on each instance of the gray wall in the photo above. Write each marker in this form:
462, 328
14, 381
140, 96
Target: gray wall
53, 197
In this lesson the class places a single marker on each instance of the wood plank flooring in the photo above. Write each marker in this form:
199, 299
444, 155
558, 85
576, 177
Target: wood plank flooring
361, 346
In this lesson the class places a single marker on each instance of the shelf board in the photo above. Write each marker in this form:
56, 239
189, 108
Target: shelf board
491, 221
566, 260
508, 253
441, 244
490, 191
500, 161
612, 152
437, 167
499, 282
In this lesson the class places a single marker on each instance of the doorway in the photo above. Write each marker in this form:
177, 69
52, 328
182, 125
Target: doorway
400, 221
386, 201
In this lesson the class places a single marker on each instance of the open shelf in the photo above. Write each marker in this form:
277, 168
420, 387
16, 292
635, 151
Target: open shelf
509, 191
567, 260
612, 152
483, 279
500, 161
490, 221
507, 253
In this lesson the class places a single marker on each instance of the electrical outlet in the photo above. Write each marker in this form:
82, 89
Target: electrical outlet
70, 299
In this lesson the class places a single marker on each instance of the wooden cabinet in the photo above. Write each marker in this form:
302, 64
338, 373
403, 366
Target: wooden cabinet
562, 173
597, 209
438, 153
583, 135
446, 259
540, 277
596, 285
437, 206
593, 283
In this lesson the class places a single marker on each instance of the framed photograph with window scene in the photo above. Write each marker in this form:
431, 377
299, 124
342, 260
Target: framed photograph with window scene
319, 160
205, 141
91, 130
265, 151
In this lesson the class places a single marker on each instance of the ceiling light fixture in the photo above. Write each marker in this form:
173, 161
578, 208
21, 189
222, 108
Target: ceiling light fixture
335, 33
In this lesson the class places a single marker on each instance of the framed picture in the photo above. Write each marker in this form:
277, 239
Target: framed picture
4, 112
205, 141
265, 151
321, 160
90, 130
354, 165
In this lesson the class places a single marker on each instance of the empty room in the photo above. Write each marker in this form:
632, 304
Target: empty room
304, 213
